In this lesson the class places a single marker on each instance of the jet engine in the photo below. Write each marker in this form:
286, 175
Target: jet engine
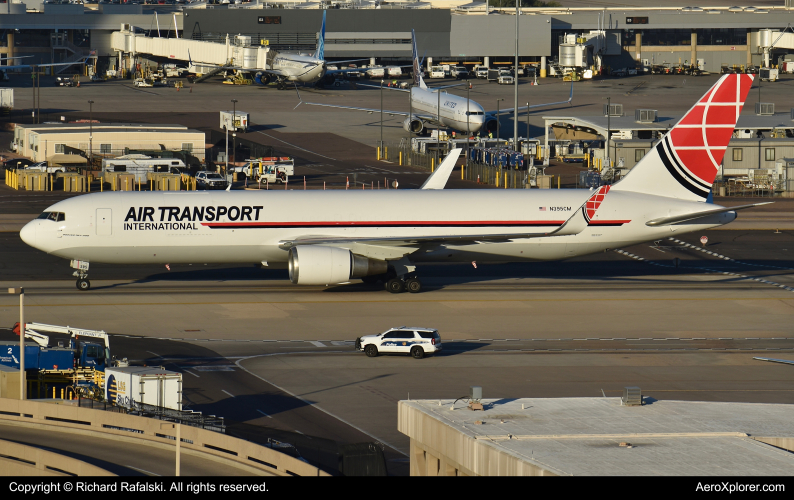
490, 125
413, 125
262, 78
323, 265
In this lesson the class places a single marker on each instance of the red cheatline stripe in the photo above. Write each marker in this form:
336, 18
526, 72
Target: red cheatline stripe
608, 222
387, 223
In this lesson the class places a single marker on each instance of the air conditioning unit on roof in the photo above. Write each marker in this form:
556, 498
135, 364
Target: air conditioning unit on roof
613, 110
645, 115
765, 108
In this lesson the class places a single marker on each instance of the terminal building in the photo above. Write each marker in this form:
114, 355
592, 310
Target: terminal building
712, 38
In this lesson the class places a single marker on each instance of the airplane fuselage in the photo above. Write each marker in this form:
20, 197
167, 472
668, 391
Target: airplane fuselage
449, 108
298, 68
250, 226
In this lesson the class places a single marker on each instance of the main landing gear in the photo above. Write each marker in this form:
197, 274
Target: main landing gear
395, 284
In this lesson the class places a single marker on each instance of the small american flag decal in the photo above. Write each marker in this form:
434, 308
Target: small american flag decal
542, 209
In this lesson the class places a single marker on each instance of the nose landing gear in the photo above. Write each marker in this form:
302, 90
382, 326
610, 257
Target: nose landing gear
82, 274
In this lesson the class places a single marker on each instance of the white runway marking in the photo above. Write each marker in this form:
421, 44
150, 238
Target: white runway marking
317, 343
190, 372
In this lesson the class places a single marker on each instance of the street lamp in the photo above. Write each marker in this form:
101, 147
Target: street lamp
234, 146
234, 116
91, 132
609, 129
468, 126
515, 86
178, 427
381, 117
21, 292
438, 118
498, 130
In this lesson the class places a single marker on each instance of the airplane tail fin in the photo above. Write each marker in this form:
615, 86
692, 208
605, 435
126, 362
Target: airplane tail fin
320, 53
418, 80
685, 162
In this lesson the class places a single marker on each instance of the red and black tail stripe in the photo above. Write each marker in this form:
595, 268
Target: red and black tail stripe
679, 173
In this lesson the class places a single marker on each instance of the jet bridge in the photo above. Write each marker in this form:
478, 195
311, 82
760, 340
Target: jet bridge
767, 40
236, 50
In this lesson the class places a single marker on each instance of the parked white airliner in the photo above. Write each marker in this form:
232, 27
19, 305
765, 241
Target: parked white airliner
328, 237
429, 105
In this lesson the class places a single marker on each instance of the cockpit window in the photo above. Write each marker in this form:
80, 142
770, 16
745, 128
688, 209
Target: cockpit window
475, 113
53, 216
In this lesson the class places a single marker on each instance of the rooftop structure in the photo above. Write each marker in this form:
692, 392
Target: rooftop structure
598, 437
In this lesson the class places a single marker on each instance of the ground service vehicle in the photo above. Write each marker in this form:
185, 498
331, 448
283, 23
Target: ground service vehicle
43, 166
268, 169
135, 386
493, 75
481, 72
86, 354
234, 121
416, 341
210, 180
505, 77
436, 72
375, 72
768, 74
459, 72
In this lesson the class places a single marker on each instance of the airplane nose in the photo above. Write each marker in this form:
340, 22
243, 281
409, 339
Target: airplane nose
28, 233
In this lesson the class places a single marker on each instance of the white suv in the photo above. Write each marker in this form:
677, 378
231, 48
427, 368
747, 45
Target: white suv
415, 341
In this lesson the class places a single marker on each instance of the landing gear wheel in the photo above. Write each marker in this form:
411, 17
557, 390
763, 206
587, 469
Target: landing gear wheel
83, 284
417, 352
371, 351
413, 285
395, 285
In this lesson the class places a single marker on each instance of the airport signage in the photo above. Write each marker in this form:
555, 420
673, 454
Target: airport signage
269, 19
636, 20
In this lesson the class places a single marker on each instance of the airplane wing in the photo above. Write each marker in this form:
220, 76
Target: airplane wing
25, 66
665, 221
773, 360
389, 112
522, 108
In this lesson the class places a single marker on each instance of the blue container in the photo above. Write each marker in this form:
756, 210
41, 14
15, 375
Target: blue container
9, 355
55, 358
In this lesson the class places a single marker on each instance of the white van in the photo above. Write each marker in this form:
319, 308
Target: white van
436, 72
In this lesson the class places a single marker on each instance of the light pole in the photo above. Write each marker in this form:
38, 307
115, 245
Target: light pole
515, 86
498, 129
178, 428
21, 292
91, 133
381, 117
438, 118
609, 130
234, 112
468, 126
234, 146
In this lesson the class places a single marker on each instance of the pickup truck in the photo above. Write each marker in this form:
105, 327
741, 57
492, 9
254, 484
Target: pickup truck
505, 78
42, 166
481, 72
459, 72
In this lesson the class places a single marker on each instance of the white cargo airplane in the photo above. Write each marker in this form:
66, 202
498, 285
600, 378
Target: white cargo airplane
328, 237
426, 102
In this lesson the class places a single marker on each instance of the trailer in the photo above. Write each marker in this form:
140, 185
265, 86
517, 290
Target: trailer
6, 100
234, 121
134, 387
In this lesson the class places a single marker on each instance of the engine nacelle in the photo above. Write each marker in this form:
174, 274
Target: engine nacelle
262, 78
322, 265
490, 125
413, 125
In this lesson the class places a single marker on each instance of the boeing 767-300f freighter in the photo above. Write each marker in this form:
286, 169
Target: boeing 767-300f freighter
329, 237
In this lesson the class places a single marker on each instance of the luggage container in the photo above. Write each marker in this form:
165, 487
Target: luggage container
234, 121
133, 386
6, 99
36, 357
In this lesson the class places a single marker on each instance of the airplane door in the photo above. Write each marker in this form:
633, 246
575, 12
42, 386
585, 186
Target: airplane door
103, 222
